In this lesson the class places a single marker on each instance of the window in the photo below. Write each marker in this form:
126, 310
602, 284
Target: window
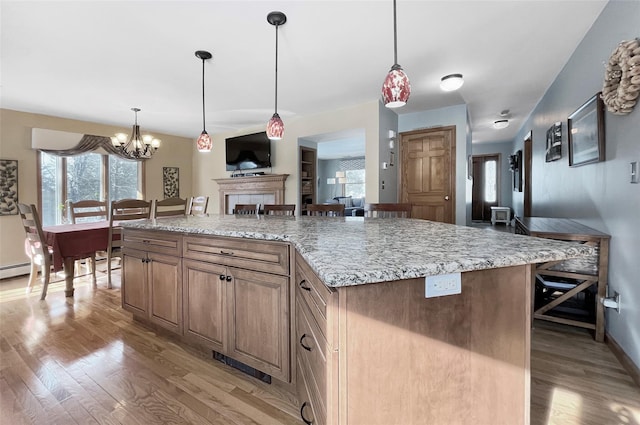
491, 181
355, 184
70, 179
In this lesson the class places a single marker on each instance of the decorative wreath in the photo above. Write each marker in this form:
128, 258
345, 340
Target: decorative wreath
622, 78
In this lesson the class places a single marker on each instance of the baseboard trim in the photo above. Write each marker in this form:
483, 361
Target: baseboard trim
623, 358
15, 270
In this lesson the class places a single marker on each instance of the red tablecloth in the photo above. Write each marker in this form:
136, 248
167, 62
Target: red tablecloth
76, 241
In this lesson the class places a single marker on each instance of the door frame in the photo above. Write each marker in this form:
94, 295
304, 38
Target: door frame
452, 163
497, 155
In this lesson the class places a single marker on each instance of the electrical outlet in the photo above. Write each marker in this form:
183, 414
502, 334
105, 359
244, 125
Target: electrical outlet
441, 285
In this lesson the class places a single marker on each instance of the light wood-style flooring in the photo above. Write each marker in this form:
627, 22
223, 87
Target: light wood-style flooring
83, 360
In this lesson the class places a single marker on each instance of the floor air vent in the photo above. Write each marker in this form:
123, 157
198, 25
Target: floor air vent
242, 367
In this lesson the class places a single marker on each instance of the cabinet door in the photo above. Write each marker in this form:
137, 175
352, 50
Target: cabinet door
258, 307
165, 291
204, 304
134, 281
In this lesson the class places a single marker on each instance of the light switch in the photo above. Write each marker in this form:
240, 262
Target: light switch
634, 172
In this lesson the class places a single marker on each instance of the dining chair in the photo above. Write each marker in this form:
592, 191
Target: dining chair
88, 210
169, 207
36, 248
327, 210
122, 210
84, 211
198, 205
387, 210
282, 209
245, 209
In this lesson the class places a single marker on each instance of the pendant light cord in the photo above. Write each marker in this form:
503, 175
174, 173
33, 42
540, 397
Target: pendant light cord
276, 96
395, 36
203, 115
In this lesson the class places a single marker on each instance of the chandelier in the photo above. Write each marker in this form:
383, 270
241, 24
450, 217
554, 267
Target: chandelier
138, 147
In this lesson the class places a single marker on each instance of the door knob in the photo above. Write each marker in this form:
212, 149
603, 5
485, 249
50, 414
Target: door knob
446, 198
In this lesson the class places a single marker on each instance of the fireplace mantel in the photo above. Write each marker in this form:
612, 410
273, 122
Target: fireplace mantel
268, 184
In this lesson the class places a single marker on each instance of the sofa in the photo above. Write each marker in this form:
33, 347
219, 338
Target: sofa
352, 206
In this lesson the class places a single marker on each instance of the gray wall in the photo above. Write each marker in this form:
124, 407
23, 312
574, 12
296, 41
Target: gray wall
457, 116
597, 195
327, 169
504, 150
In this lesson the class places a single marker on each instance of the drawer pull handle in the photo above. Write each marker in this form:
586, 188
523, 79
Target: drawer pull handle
222, 277
306, 347
302, 285
302, 414
229, 278
226, 252
145, 241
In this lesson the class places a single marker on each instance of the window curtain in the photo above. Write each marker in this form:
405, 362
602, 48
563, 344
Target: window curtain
90, 143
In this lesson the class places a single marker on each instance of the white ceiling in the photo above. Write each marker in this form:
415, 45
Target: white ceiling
94, 60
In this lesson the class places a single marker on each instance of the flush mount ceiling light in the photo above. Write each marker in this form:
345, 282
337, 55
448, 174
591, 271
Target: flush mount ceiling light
396, 87
204, 143
501, 124
138, 147
451, 82
275, 126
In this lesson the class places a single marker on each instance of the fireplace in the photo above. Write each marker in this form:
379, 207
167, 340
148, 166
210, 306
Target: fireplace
264, 189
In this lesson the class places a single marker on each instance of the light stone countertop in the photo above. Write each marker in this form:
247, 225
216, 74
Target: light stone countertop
347, 251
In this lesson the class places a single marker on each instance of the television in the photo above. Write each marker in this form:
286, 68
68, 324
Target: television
248, 152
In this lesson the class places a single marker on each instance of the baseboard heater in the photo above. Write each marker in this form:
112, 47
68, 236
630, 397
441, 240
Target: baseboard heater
242, 367
15, 270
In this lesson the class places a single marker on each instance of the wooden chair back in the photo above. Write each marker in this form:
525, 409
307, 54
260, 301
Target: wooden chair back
388, 210
88, 210
245, 209
169, 207
198, 205
36, 246
122, 210
283, 209
327, 210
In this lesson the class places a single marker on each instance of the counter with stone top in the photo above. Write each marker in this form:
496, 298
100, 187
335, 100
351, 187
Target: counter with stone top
346, 251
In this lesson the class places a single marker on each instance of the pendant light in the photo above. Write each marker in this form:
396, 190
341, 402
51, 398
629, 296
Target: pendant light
138, 146
204, 143
396, 87
275, 126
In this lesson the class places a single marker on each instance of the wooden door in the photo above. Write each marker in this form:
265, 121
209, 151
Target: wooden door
134, 281
165, 291
258, 311
486, 186
428, 173
205, 319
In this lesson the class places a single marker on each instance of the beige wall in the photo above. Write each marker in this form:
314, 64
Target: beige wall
209, 166
15, 143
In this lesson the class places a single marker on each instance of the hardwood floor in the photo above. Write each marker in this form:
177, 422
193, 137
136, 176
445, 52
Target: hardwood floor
84, 360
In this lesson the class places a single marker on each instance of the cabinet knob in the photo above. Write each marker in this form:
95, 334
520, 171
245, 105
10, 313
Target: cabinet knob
308, 422
302, 285
229, 278
222, 277
306, 347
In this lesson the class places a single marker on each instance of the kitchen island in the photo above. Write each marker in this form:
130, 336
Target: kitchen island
336, 307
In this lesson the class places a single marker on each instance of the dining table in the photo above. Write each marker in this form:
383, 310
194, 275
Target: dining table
71, 242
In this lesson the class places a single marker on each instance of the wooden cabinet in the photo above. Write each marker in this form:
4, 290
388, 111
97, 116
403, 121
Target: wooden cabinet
308, 182
570, 291
152, 278
237, 300
382, 353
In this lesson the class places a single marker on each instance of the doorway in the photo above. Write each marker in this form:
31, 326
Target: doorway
528, 153
486, 186
428, 173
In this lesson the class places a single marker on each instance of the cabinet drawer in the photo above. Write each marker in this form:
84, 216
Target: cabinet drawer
317, 296
310, 411
313, 351
250, 254
161, 242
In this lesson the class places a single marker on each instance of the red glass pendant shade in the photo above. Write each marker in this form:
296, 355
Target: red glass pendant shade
275, 128
204, 142
396, 88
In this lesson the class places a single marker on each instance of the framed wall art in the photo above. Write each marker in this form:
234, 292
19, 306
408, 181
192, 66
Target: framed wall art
171, 182
554, 142
586, 133
8, 187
